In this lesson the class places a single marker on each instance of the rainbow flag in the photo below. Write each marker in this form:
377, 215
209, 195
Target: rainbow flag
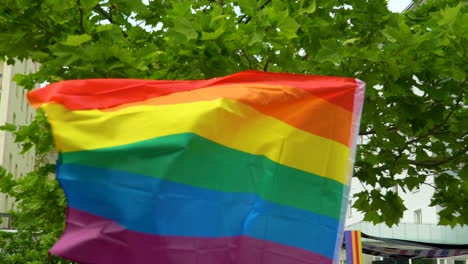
249, 168
353, 247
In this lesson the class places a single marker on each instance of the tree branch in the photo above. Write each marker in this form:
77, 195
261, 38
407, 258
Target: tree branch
265, 68
151, 17
241, 52
363, 186
435, 163
429, 185
373, 131
104, 14
430, 133
250, 60
101, 11
81, 16
249, 18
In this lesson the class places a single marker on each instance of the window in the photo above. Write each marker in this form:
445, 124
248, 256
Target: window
418, 216
459, 261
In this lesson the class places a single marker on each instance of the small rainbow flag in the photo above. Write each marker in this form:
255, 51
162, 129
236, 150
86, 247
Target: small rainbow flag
250, 168
353, 247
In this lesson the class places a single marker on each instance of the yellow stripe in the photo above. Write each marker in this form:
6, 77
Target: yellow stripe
359, 246
226, 122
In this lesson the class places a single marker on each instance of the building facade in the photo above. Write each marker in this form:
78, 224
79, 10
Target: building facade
419, 223
14, 109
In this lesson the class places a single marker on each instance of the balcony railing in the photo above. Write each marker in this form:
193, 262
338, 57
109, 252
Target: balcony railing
417, 232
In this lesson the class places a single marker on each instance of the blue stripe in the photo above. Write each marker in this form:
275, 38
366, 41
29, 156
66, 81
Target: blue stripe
160, 207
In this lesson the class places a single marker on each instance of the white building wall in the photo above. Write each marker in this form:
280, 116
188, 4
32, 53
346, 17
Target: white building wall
14, 109
418, 199
408, 228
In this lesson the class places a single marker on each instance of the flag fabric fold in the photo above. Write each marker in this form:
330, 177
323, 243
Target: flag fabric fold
253, 167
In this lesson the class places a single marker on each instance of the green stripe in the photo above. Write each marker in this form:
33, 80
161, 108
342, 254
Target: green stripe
193, 160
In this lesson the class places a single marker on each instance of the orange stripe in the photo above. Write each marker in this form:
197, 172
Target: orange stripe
356, 247
294, 106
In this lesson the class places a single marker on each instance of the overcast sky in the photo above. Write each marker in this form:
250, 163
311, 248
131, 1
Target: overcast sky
398, 5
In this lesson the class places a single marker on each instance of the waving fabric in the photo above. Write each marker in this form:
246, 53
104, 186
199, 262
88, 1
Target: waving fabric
253, 167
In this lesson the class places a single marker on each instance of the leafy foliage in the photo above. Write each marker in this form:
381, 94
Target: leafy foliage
39, 213
39, 218
415, 66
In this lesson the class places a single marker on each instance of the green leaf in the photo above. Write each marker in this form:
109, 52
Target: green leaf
248, 7
288, 27
309, 9
8, 127
24, 80
257, 37
450, 14
329, 51
26, 147
446, 218
350, 41
102, 28
130, 6
89, 4
458, 74
212, 35
392, 34
77, 40
184, 26
464, 172
39, 55
373, 217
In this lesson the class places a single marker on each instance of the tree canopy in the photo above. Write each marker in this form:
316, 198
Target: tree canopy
415, 66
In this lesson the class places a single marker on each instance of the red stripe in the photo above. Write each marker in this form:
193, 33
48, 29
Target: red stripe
105, 93
356, 247
91, 239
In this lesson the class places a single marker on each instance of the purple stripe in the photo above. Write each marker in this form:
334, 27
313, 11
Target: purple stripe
90, 239
349, 247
